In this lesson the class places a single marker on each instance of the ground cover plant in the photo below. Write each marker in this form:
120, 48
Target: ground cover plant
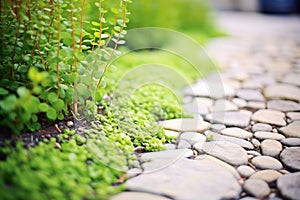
54, 55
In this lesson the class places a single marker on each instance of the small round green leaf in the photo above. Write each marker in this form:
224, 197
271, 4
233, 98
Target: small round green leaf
51, 114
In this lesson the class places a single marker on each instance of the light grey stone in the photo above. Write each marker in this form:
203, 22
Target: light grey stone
202, 184
255, 142
283, 105
262, 135
185, 125
192, 137
239, 102
172, 133
282, 91
289, 186
169, 154
218, 137
208, 102
252, 84
134, 172
271, 148
290, 157
222, 105
291, 130
236, 132
269, 117
294, 116
217, 127
261, 127
183, 144
170, 146
245, 171
256, 105
137, 196
254, 153
250, 95
195, 108
292, 78
228, 152
257, 188
291, 142
266, 175
266, 162
238, 118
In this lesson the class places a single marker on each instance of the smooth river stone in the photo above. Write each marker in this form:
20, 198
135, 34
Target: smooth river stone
257, 188
290, 157
282, 91
294, 116
289, 186
271, 148
283, 105
292, 78
245, 171
192, 137
261, 127
173, 181
267, 175
230, 153
236, 132
266, 162
250, 95
185, 125
195, 108
262, 135
291, 130
137, 196
223, 105
235, 118
270, 117
291, 142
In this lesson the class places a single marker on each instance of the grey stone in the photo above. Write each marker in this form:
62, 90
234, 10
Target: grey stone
269, 117
250, 95
170, 146
266, 175
291, 130
290, 157
172, 133
282, 91
137, 196
134, 172
238, 141
195, 108
283, 105
257, 188
245, 171
236, 132
292, 78
294, 116
169, 154
266, 162
271, 148
256, 105
223, 105
183, 144
217, 127
261, 127
262, 135
252, 84
254, 153
238, 118
185, 125
289, 186
239, 102
228, 152
192, 137
249, 198
255, 142
202, 184
291, 142
208, 102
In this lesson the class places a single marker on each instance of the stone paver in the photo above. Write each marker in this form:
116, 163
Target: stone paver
189, 179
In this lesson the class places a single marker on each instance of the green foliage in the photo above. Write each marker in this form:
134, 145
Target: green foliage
47, 172
45, 47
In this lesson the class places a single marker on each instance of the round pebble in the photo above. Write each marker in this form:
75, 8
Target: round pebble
266, 162
271, 147
262, 135
267, 175
270, 117
239, 102
255, 142
217, 127
245, 171
261, 127
183, 145
192, 137
289, 186
236, 132
291, 158
291, 142
291, 130
257, 188
70, 124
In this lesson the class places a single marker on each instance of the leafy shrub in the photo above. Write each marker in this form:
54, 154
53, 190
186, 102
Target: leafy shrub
44, 49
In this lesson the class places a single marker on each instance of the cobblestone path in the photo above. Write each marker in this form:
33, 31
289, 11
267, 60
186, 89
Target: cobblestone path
244, 141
